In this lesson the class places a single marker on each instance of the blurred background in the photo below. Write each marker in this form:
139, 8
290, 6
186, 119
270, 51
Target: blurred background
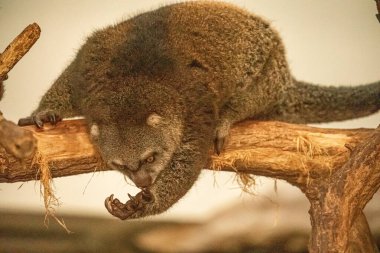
328, 42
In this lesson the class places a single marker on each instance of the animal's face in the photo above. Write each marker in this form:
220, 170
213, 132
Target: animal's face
140, 150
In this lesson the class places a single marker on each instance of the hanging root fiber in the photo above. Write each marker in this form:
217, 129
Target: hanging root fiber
51, 201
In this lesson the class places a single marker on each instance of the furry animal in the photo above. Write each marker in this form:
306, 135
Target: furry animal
159, 89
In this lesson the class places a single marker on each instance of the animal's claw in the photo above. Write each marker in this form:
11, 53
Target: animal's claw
40, 118
38, 121
53, 118
221, 134
135, 204
147, 196
218, 143
131, 197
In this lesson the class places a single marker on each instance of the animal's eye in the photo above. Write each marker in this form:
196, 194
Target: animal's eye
150, 159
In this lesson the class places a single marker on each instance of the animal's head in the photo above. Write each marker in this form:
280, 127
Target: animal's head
136, 134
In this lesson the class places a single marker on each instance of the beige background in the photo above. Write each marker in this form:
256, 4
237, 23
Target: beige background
328, 42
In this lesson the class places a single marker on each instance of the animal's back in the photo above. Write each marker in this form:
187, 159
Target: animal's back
214, 43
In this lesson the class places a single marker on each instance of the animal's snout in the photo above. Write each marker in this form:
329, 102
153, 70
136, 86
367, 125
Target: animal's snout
141, 178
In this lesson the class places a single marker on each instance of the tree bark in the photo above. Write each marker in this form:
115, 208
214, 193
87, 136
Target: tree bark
18, 48
15, 140
66, 147
295, 153
338, 200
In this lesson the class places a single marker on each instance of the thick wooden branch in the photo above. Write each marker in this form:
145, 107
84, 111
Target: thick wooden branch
338, 200
66, 146
296, 153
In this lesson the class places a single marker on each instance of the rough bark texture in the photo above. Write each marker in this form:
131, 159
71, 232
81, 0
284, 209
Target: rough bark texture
337, 201
18, 48
15, 140
67, 148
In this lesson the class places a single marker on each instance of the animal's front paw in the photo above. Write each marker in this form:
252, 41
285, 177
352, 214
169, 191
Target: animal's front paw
40, 118
133, 206
221, 133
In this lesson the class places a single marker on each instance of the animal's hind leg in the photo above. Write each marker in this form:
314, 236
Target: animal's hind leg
258, 97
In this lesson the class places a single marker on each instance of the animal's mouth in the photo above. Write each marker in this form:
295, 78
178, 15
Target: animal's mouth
140, 178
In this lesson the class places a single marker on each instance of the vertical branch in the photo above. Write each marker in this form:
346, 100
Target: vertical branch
337, 202
360, 237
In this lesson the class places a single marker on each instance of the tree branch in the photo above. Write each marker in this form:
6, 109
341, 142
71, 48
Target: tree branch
295, 153
18, 48
338, 200
15, 140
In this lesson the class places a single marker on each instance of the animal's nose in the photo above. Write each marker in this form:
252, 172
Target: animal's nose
141, 179
123, 165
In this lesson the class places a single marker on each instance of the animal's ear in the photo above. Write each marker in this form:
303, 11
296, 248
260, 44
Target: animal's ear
94, 131
154, 120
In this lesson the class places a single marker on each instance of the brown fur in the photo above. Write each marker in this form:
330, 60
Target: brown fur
199, 66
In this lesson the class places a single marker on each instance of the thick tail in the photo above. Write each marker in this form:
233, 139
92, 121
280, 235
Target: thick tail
309, 103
